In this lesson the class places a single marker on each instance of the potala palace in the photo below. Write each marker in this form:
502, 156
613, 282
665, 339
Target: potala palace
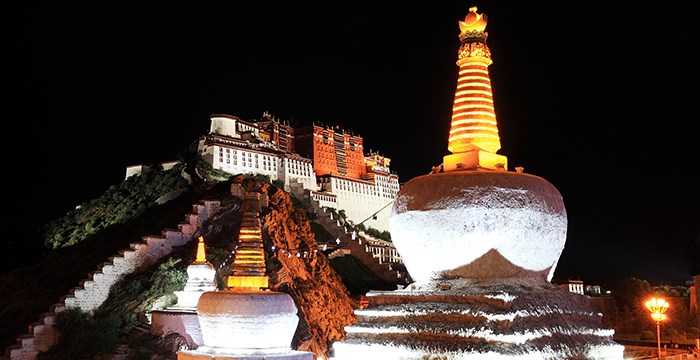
316, 162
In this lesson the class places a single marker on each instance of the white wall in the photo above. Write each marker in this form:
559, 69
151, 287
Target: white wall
224, 126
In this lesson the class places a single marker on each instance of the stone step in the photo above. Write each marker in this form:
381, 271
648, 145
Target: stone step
57, 307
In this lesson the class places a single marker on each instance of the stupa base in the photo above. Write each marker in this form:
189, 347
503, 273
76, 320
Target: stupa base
484, 319
289, 355
181, 321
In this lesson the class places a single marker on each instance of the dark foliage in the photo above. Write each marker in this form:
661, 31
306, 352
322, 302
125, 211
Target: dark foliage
356, 277
83, 336
118, 204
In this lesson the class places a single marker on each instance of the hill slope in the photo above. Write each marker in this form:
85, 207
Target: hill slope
322, 298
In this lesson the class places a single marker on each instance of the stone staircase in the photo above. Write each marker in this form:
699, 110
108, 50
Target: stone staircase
356, 245
359, 248
94, 290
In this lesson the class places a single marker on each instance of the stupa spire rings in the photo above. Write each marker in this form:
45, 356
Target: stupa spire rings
474, 139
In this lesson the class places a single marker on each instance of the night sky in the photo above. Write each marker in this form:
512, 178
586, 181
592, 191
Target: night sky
593, 97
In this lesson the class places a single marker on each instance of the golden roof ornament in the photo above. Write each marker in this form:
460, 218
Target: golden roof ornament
473, 26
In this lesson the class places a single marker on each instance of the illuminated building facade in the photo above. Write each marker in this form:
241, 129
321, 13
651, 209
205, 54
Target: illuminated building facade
575, 286
335, 152
322, 163
277, 132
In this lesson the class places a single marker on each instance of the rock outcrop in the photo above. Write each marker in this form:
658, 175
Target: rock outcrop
316, 288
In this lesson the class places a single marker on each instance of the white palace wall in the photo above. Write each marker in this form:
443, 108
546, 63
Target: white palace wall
361, 202
93, 291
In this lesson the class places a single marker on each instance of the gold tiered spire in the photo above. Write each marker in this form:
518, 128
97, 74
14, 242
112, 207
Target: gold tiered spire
249, 259
474, 139
201, 256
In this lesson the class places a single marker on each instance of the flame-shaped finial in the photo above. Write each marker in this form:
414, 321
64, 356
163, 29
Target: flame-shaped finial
473, 22
201, 256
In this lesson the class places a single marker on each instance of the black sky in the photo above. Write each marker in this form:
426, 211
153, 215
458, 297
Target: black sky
593, 97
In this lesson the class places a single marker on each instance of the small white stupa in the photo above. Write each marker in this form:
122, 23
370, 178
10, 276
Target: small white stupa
201, 277
182, 317
247, 321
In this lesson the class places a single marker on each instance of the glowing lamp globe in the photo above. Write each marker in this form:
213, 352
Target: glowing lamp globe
255, 322
479, 225
657, 307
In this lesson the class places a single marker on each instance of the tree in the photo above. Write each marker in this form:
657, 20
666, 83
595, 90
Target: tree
631, 292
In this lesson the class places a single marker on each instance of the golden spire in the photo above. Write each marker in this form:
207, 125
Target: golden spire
249, 259
473, 139
201, 256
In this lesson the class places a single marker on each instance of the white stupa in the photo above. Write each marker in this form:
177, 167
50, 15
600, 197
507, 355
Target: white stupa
481, 244
247, 321
201, 277
181, 318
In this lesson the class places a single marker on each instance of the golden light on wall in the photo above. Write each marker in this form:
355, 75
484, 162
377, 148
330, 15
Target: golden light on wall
247, 282
249, 257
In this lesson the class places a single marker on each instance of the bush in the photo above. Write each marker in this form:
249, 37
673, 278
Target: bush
83, 336
120, 203
320, 233
139, 292
383, 235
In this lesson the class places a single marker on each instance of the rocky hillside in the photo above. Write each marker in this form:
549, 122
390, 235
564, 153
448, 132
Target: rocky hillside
322, 299
294, 266
316, 288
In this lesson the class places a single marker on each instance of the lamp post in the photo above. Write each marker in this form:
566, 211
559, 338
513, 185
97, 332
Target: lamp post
657, 307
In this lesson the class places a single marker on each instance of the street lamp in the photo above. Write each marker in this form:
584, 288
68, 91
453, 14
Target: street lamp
657, 307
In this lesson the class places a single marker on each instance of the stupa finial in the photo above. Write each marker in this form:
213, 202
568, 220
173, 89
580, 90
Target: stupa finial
473, 26
201, 255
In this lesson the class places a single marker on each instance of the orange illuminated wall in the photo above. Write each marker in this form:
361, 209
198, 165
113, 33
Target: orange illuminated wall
354, 156
334, 152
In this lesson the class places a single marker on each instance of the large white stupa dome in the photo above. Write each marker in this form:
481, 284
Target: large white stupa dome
479, 224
